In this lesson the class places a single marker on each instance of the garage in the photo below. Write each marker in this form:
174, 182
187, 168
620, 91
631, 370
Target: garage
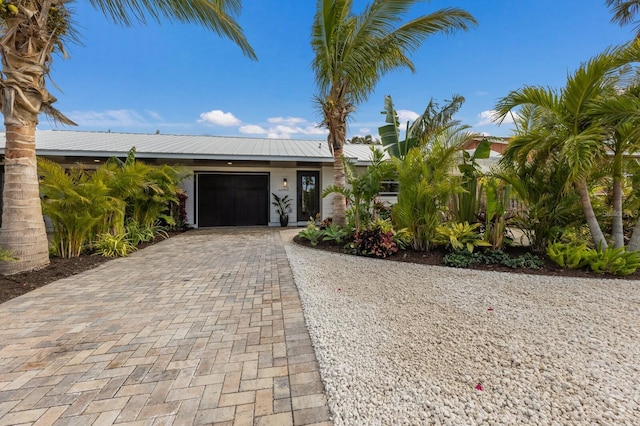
232, 199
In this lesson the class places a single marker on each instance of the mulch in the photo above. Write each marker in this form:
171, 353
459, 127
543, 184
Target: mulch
435, 256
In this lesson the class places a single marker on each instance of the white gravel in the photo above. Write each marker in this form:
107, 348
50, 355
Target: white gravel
400, 343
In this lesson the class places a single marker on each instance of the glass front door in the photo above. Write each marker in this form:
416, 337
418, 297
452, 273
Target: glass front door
308, 195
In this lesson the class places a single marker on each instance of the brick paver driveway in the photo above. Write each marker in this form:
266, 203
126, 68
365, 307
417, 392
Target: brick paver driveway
204, 328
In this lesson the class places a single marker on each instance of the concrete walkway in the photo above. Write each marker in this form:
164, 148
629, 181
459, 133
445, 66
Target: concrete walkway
204, 328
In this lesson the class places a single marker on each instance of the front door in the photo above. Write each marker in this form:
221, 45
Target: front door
308, 195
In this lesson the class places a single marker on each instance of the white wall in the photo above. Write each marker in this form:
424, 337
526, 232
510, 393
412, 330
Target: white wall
276, 177
326, 179
189, 185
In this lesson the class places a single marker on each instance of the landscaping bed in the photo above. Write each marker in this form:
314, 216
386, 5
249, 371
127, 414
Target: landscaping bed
435, 257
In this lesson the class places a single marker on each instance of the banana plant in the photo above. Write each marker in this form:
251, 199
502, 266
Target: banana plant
390, 133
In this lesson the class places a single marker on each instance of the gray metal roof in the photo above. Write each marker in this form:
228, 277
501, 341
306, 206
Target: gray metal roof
106, 144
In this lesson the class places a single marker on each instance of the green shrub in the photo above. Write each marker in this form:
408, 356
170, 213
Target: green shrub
138, 234
460, 236
616, 261
569, 255
464, 259
372, 242
459, 259
334, 233
109, 245
403, 238
311, 233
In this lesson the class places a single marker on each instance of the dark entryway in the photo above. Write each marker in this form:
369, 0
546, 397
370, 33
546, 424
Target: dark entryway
308, 195
233, 199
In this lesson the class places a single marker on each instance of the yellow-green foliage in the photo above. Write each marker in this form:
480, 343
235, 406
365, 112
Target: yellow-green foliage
616, 261
311, 233
109, 245
460, 236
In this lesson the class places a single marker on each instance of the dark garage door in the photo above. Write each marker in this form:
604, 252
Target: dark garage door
233, 200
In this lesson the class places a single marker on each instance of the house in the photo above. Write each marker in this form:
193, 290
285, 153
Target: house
233, 177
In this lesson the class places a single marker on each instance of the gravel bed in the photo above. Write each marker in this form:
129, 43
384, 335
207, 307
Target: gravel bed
414, 344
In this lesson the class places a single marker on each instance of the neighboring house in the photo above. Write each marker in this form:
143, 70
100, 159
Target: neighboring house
233, 177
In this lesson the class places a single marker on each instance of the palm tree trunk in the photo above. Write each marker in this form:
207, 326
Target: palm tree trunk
23, 231
617, 230
590, 216
634, 242
339, 207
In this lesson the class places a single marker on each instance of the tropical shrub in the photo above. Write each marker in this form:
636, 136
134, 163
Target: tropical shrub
311, 233
466, 204
548, 209
403, 238
83, 204
373, 242
425, 188
495, 215
138, 234
464, 259
460, 236
178, 210
334, 233
363, 188
616, 261
79, 206
570, 256
109, 245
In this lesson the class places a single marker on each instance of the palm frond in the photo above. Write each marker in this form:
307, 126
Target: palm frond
216, 15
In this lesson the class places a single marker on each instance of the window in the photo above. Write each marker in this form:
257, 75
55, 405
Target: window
389, 187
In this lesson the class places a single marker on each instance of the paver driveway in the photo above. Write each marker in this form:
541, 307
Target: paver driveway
204, 328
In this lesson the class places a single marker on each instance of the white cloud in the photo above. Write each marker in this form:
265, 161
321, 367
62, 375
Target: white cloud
287, 121
113, 118
482, 93
364, 130
154, 115
405, 115
252, 129
219, 118
286, 128
489, 116
276, 127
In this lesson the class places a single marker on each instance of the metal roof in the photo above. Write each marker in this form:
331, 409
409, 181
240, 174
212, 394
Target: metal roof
107, 144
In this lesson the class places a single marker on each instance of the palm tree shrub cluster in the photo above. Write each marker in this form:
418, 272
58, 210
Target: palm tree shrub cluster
584, 135
569, 163
116, 205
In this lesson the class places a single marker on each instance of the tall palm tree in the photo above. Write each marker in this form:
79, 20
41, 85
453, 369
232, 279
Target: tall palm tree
625, 12
572, 130
352, 53
30, 32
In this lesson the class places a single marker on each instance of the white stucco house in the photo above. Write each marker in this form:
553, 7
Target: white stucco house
233, 177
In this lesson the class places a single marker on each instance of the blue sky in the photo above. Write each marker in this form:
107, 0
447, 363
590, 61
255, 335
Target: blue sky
181, 79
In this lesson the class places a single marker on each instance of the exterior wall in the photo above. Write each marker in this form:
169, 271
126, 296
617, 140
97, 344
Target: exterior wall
189, 185
326, 179
276, 185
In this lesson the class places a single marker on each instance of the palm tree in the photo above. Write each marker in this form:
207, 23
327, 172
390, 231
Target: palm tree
30, 32
352, 53
625, 13
572, 130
